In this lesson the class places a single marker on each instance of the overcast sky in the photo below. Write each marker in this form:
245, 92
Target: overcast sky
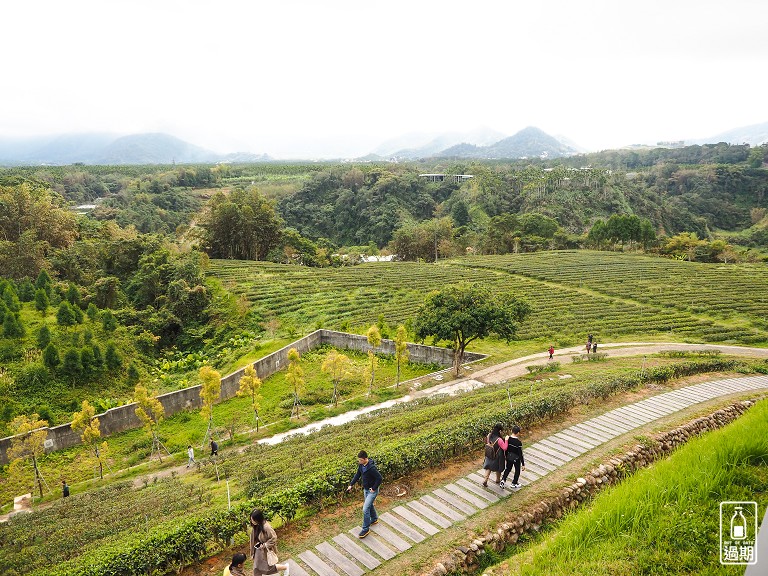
337, 78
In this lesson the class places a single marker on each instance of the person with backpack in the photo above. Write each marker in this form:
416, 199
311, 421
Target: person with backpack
513, 456
494, 454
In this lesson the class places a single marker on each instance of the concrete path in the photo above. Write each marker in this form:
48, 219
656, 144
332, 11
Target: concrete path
416, 521
512, 369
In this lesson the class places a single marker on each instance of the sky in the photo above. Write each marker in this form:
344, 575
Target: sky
299, 78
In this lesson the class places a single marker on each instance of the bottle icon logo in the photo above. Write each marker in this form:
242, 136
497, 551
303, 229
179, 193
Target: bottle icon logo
738, 533
738, 524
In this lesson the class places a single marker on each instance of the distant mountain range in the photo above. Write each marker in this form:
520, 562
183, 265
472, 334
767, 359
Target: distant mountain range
158, 148
530, 142
152, 148
754, 135
417, 145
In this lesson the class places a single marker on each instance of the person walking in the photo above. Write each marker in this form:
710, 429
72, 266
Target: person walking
237, 567
214, 448
513, 456
589, 346
190, 455
594, 347
371, 479
494, 454
64, 489
551, 351
263, 546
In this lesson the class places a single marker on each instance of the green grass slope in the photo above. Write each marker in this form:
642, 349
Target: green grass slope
665, 519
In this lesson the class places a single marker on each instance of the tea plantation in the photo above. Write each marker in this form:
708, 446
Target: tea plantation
614, 296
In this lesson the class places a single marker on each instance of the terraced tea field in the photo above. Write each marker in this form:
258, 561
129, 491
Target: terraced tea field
614, 296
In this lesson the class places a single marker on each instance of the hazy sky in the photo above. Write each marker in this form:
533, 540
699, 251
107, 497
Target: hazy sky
330, 78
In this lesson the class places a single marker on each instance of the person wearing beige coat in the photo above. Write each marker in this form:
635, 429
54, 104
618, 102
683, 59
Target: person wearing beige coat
263, 546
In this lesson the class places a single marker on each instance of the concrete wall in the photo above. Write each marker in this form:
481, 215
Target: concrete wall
124, 417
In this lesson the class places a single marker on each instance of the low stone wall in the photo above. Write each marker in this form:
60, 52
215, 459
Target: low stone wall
124, 417
466, 559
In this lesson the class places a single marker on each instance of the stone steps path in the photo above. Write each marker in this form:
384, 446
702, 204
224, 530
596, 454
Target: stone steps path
405, 525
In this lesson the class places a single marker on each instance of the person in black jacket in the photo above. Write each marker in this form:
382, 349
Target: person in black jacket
371, 479
513, 454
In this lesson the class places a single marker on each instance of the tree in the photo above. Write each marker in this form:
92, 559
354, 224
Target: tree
73, 296
66, 314
647, 233
422, 240
88, 362
9, 296
401, 349
12, 326
462, 313
43, 337
87, 425
112, 357
42, 301
338, 367
683, 245
502, 235
92, 312
51, 357
249, 386
72, 366
98, 358
108, 321
460, 213
133, 373
151, 412
374, 339
30, 433
242, 225
210, 392
597, 234
533, 224
44, 282
26, 290
295, 377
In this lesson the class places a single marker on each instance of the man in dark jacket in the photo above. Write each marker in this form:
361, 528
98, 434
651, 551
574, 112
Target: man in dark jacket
371, 479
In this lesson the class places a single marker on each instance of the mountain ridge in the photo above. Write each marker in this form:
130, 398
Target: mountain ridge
112, 149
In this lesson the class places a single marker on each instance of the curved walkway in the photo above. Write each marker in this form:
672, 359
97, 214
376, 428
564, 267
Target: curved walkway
417, 520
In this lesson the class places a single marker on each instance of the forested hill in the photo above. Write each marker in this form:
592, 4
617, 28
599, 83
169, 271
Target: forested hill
698, 189
288, 212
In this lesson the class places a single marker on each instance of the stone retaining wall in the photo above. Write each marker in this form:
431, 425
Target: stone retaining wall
124, 417
466, 559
